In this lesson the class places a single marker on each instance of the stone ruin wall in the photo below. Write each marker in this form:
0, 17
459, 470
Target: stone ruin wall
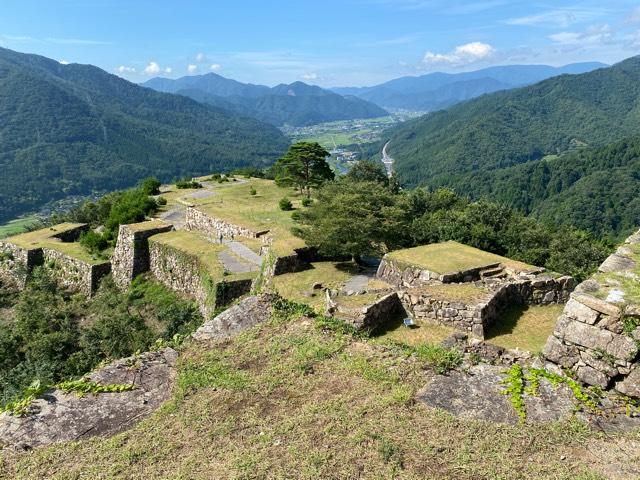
407, 276
131, 255
478, 316
599, 340
368, 317
181, 273
73, 273
16, 263
201, 222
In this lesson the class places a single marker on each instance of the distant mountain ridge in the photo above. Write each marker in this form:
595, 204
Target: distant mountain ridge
504, 145
74, 129
296, 104
438, 90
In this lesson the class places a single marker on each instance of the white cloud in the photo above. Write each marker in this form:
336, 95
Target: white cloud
125, 69
63, 62
558, 17
154, 69
309, 76
192, 68
461, 55
597, 34
201, 57
214, 67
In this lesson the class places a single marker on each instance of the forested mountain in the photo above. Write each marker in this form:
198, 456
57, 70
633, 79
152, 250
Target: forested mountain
296, 104
494, 146
435, 91
74, 129
594, 189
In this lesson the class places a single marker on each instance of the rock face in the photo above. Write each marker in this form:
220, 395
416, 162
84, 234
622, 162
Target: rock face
366, 317
248, 312
131, 255
594, 336
60, 417
476, 395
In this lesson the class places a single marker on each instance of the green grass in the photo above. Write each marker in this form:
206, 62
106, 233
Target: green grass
451, 257
193, 244
297, 286
19, 225
44, 238
526, 328
395, 331
234, 203
455, 292
284, 400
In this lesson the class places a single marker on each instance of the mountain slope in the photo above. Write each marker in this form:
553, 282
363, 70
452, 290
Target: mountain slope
440, 90
594, 189
517, 126
297, 104
74, 129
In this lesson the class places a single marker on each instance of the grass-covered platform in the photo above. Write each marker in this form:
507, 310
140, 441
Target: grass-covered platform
450, 257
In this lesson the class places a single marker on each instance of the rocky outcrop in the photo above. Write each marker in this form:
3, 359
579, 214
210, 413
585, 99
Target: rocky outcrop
477, 395
131, 255
598, 334
247, 313
63, 417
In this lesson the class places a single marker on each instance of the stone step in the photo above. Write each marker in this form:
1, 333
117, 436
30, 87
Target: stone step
492, 272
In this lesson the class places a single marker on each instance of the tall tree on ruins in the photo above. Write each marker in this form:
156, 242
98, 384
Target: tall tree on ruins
304, 166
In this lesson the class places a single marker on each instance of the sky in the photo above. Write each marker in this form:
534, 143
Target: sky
323, 42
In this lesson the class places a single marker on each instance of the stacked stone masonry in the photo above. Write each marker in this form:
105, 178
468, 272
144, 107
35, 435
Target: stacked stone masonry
131, 255
183, 273
201, 222
73, 273
368, 317
598, 339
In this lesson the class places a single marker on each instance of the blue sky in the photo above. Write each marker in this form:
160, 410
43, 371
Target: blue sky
325, 42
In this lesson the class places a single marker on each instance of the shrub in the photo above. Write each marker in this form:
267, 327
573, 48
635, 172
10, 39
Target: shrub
188, 183
161, 201
306, 202
150, 186
93, 242
439, 358
252, 191
285, 204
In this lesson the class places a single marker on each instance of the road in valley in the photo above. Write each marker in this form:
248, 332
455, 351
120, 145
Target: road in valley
387, 160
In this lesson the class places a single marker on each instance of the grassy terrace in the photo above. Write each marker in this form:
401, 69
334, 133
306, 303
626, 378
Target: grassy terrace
17, 226
44, 238
455, 292
197, 246
451, 257
234, 203
147, 225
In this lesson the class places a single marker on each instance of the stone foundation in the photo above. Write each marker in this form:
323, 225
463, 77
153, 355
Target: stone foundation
201, 222
183, 273
16, 263
73, 273
477, 315
598, 338
370, 316
131, 255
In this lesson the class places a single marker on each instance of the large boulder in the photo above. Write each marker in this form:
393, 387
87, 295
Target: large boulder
63, 417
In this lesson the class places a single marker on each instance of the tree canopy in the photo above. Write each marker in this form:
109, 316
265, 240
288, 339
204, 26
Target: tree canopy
304, 166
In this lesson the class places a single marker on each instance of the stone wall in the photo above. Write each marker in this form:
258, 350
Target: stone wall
477, 315
131, 255
16, 263
598, 334
406, 276
368, 317
200, 221
71, 234
74, 273
183, 273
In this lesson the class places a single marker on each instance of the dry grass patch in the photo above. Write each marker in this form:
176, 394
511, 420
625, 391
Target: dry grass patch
285, 400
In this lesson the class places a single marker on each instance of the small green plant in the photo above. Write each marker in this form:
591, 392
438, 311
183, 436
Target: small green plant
285, 310
83, 387
629, 324
515, 389
439, 358
188, 183
252, 191
161, 201
332, 324
285, 204
306, 202
21, 406
601, 354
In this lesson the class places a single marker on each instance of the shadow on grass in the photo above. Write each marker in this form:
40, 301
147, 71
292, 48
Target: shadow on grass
506, 324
